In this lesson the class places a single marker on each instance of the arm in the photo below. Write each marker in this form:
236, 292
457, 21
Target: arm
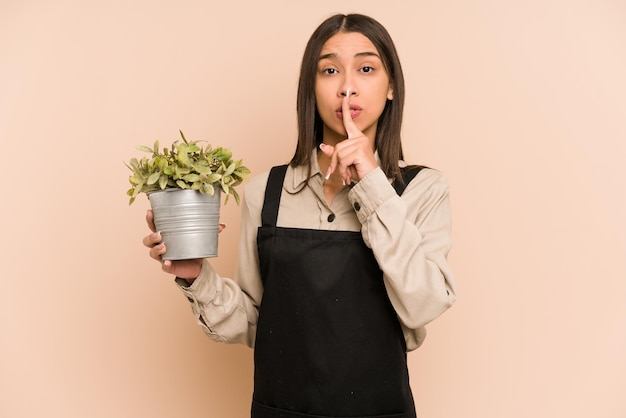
410, 237
226, 309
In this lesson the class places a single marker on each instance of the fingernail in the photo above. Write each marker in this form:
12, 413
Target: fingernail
327, 174
321, 146
348, 93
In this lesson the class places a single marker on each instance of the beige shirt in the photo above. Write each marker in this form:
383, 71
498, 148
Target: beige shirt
409, 236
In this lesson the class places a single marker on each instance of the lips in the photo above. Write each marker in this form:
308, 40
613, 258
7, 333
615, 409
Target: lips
354, 111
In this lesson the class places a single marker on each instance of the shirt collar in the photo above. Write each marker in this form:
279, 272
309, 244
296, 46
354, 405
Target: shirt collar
300, 174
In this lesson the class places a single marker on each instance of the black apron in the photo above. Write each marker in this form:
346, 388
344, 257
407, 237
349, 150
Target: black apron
328, 343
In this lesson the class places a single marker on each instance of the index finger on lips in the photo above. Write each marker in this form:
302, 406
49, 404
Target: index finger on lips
348, 123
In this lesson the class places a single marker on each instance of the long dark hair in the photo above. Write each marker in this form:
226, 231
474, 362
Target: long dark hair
310, 126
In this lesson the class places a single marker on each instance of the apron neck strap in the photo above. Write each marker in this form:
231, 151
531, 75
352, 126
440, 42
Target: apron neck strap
273, 191
408, 174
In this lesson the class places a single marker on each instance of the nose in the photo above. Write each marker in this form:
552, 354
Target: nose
347, 87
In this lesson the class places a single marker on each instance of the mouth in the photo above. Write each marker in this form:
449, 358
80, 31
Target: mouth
354, 111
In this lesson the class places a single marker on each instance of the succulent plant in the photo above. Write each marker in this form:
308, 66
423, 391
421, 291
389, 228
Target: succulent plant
186, 165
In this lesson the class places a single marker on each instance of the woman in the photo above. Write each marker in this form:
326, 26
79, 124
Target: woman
342, 258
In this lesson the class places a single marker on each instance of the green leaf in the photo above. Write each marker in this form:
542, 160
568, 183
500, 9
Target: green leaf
183, 158
180, 171
223, 154
202, 167
137, 190
154, 177
191, 177
208, 189
144, 148
163, 181
212, 178
230, 170
236, 196
182, 184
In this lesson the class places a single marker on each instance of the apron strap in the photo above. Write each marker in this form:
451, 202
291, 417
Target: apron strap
408, 174
273, 191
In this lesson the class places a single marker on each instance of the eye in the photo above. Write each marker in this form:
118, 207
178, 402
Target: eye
329, 71
367, 69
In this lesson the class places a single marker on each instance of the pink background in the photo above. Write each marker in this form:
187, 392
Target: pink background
521, 104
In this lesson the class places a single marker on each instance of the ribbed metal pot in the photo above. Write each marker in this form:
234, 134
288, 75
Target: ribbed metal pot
188, 221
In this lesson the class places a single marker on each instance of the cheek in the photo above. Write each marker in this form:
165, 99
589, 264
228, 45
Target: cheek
321, 101
318, 93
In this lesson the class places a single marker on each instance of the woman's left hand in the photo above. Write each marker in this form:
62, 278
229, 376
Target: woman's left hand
352, 158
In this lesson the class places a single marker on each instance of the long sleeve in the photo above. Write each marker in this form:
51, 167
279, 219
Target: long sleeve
227, 309
410, 237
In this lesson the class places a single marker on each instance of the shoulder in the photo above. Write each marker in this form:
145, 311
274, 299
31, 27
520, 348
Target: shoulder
254, 192
428, 179
427, 190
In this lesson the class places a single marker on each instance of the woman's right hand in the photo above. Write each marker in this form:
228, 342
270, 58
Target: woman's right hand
185, 269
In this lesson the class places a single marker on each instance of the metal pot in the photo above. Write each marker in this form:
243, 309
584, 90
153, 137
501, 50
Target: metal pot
188, 221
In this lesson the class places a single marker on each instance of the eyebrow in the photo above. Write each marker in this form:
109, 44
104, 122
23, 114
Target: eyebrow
360, 54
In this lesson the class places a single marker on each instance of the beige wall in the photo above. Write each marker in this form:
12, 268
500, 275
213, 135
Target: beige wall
521, 104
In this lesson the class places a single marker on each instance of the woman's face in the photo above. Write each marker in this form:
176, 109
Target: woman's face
350, 62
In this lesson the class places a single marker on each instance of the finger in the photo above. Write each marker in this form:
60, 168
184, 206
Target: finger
152, 239
336, 162
347, 173
150, 220
157, 251
353, 175
329, 151
351, 129
167, 266
351, 159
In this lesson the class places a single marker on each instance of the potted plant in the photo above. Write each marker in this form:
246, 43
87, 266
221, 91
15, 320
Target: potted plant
184, 184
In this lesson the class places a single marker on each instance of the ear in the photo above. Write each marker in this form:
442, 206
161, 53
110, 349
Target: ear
390, 93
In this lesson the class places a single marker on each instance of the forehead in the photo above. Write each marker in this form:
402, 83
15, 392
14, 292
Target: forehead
348, 44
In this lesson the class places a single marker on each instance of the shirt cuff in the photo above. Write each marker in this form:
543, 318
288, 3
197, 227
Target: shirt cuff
203, 289
369, 193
